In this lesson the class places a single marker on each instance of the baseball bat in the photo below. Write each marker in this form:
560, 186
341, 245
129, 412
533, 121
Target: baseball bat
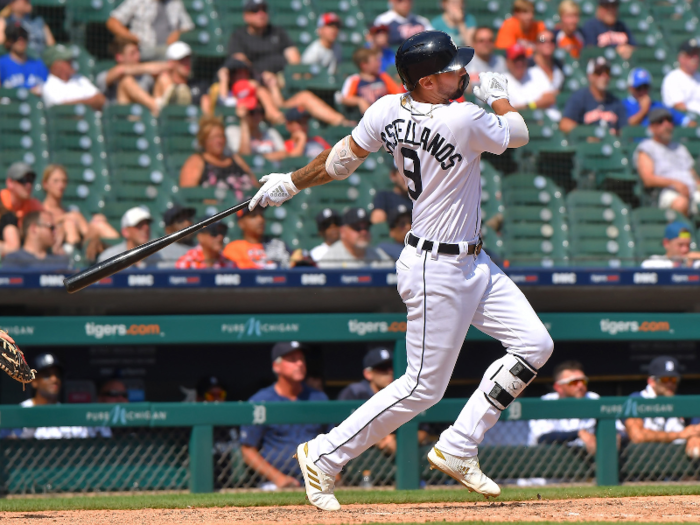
115, 264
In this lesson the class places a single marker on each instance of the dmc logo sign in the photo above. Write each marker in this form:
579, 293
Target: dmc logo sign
645, 278
141, 280
51, 281
564, 278
313, 279
227, 279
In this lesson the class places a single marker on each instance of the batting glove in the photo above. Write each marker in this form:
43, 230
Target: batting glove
492, 87
276, 189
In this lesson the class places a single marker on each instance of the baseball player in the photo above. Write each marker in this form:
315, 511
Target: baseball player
444, 278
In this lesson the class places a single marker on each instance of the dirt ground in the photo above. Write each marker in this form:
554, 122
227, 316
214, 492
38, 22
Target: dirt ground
656, 509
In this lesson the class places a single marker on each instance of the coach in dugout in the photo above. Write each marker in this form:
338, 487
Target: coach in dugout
570, 381
663, 381
268, 449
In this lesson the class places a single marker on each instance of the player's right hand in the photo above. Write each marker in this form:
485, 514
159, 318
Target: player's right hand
492, 87
276, 189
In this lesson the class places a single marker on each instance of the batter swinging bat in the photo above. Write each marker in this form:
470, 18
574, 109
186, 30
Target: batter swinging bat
103, 269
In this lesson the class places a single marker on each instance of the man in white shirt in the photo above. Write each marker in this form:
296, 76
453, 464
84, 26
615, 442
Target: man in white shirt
328, 222
64, 86
570, 381
681, 87
484, 59
676, 242
667, 167
529, 87
664, 377
47, 390
325, 51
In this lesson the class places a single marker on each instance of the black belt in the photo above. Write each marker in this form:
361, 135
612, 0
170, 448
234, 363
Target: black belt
447, 249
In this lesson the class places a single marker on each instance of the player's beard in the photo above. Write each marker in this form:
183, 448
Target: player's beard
461, 88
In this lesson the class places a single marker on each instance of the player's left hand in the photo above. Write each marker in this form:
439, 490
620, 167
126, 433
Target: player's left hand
492, 87
276, 189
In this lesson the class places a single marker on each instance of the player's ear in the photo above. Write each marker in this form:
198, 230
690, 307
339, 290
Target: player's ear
427, 82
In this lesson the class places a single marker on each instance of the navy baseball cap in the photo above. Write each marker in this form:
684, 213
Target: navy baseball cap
393, 215
326, 217
253, 5
295, 115
44, 361
355, 216
690, 46
176, 213
208, 382
282, 349
664, 366
217, 228
677, 229
377, 357
639, 77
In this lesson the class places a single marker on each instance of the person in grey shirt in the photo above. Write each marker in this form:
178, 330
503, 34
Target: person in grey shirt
484, 58
353, 250
39, 234
175, 219
136, 230
325, 51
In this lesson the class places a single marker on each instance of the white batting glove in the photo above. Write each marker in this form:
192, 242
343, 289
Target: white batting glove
493, 86
276, 189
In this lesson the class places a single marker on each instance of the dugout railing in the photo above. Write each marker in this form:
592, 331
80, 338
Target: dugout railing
155, 446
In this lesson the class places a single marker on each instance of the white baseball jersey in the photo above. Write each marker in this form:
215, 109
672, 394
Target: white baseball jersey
440, 157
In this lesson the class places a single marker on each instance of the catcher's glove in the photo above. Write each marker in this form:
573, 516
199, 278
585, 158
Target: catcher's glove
13, 363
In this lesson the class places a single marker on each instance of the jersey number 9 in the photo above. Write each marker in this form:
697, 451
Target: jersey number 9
413, 175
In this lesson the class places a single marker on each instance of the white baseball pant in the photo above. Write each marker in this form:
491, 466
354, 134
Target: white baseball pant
443, 295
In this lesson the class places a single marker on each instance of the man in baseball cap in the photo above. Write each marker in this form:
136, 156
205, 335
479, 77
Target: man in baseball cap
15, 202
64, 85
267, 448
208, 253
353, 250
680, 88
136, 230
17, 69
399, 220
173, 85
663, 381
175, 219
639, 103
325, 51
607, 30
328, 222
378, 372
676, 242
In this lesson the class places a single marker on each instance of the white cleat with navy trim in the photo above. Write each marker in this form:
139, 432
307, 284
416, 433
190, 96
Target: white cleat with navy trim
465, 470
319, 486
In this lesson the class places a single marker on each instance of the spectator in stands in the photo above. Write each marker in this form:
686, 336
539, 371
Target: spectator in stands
39, 234
208, 253
663, 381
249, 138
136, 230
47, 391
401, 22
681, 87
455, 22
378, 38
268, 449
607, 30
113, 391
64, 86
328, 222
594, 104
532, 87
676, 243
399, 220
72, 228
131, 81
484, 57
152, 24
570, 381
568, 36
353, 250
40, 36
175, 219
362, 89
210, 390
384, 201
301, 144
15, 202
325, 51
543, 67
176, 85
214, 167
260, 44
668, 165
521, 28
638, 104
254, 251
17, 70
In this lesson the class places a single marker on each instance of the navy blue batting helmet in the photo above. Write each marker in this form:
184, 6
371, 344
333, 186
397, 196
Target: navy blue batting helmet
428, 53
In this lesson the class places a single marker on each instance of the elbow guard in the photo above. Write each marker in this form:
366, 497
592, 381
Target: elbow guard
519, 135
342, 161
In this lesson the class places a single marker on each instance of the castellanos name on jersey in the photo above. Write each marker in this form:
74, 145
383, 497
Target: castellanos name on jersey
439, 156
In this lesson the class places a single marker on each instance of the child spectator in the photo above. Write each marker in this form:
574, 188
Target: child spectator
20, 11
378, 38
17, 70
300, 144
568, 36
362, 89
521, 28
254, 251
325, 51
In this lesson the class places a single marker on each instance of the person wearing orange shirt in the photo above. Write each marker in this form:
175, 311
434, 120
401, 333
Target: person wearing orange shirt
521, 28
15, 202
568, 36
251, 252
208, 253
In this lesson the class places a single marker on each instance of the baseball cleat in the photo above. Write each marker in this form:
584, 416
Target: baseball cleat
319, 486
464, 470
